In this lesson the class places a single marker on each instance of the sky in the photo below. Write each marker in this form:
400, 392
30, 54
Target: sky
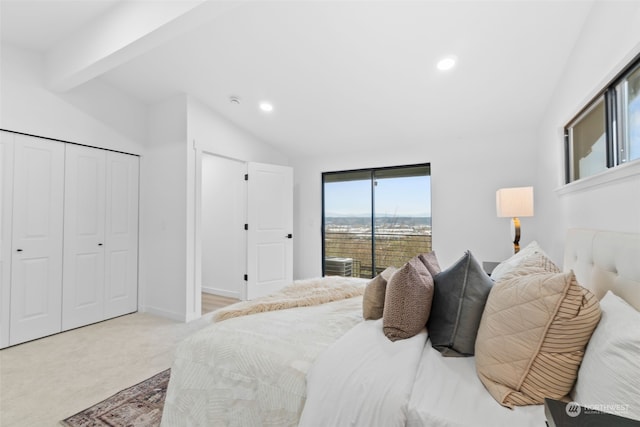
394, 196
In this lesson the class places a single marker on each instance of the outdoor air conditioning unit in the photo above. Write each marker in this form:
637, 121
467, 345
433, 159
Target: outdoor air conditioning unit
335, 266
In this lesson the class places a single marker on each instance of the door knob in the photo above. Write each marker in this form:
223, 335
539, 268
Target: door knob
289, 236
18, 250
99, 244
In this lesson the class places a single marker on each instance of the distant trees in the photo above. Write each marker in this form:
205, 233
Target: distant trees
391, 249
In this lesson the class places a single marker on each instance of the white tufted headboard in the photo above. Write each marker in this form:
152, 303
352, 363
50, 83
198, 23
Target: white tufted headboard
605, 260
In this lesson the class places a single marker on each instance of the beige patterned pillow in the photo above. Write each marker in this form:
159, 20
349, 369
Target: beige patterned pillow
374, 293
408, 301
532, 336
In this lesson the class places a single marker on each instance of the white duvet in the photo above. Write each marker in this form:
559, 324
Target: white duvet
259, 370
250, 371
363, 379
448, 393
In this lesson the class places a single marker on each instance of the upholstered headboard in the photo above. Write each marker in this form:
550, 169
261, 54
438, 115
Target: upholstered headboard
605, 260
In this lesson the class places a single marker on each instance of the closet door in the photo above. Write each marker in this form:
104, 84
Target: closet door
6, 200
121, 235
84, 237
36, 265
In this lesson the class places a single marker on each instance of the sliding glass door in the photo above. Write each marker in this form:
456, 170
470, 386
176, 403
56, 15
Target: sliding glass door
375, 218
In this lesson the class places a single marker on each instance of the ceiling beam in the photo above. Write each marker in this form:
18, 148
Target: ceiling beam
128, 30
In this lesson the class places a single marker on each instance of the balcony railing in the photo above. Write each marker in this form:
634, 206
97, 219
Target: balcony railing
391, 249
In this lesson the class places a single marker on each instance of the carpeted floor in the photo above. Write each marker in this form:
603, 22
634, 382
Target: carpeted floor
140, 405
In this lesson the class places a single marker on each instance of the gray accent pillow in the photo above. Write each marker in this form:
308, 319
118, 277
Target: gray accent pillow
374, 293
460, 294
407, 301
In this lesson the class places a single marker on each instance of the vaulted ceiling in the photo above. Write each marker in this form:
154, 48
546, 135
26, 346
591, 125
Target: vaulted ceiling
341, 75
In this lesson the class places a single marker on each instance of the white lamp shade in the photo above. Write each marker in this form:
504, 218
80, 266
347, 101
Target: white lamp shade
514, 202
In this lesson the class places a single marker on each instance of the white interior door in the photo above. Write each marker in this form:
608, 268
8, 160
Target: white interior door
84, 219
36, 270
121, 235
6, 201
270, 228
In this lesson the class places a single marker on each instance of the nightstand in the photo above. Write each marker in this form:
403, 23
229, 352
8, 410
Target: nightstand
557, 415
488, 266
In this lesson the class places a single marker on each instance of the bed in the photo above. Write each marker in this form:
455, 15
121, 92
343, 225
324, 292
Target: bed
322, 364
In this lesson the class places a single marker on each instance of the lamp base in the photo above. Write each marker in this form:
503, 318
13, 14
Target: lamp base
516, 235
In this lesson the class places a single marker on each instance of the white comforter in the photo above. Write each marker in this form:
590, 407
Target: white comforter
250, 371
448, 393
364, 379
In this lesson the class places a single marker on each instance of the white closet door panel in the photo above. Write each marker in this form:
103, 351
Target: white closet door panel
84, 225
36, 271
121, 235
6, 200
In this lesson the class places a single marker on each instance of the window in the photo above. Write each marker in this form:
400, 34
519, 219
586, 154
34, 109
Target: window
607, 132
588, 136
375, 218
628, 93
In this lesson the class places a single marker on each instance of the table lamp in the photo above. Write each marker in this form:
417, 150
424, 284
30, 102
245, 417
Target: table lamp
514, 203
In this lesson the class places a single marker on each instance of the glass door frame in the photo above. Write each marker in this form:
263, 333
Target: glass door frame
372, 176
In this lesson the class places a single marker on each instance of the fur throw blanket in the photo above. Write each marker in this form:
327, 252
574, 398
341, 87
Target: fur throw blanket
302, 293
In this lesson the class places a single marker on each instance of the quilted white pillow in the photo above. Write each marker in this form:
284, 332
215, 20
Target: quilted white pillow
515, 260
610, 370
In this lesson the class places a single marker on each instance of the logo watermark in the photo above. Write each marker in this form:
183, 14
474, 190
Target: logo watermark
573, 409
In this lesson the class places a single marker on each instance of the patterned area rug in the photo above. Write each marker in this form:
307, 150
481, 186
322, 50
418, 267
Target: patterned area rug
140, 406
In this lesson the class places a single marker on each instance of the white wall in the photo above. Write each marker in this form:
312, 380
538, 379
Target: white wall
465, 174
163, 212
93, 114
610, 39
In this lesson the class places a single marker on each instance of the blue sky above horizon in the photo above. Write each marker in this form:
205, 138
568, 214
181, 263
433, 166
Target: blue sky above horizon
407, 196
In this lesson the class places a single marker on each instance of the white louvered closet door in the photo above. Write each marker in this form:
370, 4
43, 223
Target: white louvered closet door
36, 264
84, 237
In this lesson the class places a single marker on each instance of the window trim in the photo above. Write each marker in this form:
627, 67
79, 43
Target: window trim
620, 172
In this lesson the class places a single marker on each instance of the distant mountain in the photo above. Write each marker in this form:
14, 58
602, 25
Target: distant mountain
380, 215
364, 221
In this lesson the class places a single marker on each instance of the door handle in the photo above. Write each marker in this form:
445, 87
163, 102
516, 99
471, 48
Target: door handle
289, 236
99, 244
18, 250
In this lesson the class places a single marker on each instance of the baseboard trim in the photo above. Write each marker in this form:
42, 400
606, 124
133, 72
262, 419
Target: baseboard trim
221, 292
165, 313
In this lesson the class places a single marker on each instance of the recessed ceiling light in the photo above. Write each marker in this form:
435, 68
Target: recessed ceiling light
266, 107
446, 63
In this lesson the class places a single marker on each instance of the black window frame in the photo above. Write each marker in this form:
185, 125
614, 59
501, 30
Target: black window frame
371, 172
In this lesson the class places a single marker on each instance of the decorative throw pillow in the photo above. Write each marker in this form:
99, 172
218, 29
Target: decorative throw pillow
407, 301
374, 292
515, 260
532, 337
431, 262
535, 263
460, 293
610, 369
